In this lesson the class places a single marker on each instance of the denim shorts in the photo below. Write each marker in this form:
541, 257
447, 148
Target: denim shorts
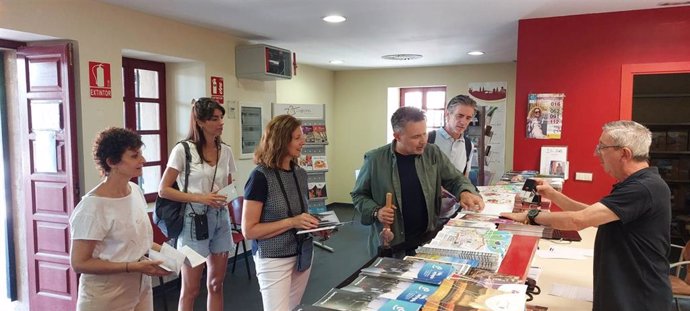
219, 233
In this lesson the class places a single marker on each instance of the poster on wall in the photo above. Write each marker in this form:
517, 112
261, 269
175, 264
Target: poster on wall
493, 96
302, 112
545, 115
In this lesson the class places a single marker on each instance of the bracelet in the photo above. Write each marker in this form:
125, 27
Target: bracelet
127, 267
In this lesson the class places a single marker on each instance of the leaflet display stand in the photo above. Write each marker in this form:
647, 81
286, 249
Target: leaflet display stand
313, 158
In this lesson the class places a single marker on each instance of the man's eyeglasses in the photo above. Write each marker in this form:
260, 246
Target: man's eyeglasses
601, 146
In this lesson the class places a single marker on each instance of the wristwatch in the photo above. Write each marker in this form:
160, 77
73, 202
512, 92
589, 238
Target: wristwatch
532, 214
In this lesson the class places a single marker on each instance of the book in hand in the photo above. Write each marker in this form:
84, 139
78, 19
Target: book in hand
338, 299
464, 295
413, 270
327, 221
390, 288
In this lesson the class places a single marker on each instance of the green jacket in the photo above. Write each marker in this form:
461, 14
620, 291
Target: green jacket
379, 175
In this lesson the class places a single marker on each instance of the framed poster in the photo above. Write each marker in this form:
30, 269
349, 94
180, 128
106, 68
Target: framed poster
251, 126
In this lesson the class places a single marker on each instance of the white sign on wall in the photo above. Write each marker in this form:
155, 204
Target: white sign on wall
299, 111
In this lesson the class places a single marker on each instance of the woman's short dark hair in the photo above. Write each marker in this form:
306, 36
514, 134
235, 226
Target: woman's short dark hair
274, 141
404, 115
111, 144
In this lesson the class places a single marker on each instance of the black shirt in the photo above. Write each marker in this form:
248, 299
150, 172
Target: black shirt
631, 265
415, 217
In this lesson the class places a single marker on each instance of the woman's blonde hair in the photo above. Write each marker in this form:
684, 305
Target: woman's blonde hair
530, 114
274, 141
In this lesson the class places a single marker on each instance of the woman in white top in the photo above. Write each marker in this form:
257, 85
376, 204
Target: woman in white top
211, 169
111, 231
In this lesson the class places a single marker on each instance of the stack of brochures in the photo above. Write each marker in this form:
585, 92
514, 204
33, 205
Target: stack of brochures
488, 246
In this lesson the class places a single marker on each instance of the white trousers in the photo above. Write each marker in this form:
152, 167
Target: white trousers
281, 285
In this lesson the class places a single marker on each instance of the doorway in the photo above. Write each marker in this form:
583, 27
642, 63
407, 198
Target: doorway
659, 97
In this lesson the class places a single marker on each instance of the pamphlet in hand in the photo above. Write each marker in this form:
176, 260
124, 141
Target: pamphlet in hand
172, 258
229, 191
327, 221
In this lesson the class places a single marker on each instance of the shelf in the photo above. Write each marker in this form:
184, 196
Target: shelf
316, 144
316, 171
662, 95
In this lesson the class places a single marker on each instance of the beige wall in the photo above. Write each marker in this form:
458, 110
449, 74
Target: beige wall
362, 115
105, 33
312, 85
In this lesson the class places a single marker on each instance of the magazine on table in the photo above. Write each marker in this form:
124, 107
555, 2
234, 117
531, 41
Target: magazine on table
390, 288
343, 300
464, 295
414, 270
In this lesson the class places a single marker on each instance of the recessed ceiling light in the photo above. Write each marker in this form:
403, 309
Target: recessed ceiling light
336, 62
475, 53
334, 19
401, 56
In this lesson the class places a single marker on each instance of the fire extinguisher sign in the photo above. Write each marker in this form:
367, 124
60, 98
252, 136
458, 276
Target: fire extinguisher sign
217, 91
99, 80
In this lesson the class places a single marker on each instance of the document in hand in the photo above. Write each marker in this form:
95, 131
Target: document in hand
229, 191
327, 221
172, 259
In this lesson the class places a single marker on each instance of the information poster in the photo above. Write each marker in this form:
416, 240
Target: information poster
545, 115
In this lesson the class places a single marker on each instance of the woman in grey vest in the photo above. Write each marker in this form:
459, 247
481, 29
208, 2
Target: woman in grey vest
275, 207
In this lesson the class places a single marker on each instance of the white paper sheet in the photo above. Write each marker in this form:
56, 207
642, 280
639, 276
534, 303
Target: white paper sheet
172, 258
572, 292
229, 191
560, 252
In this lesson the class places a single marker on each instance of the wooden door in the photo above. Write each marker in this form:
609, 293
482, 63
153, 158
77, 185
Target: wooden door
49, 170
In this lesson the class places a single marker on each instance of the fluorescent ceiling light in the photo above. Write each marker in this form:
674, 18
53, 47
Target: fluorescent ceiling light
334, 19
336, 62
475, 53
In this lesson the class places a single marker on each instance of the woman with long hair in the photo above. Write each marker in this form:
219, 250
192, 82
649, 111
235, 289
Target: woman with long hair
275, 207
111, 231
206, 228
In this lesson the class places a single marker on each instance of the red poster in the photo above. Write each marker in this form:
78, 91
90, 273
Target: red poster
99, 80
217, 89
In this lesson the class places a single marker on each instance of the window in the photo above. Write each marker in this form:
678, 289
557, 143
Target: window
431, 100
144, 102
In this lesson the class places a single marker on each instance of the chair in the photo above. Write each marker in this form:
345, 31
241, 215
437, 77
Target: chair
680, 286
237, 236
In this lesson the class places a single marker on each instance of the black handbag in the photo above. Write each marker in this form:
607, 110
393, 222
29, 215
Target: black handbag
168, 215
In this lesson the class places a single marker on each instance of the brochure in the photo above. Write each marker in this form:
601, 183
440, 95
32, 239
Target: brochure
327, 221
230, 192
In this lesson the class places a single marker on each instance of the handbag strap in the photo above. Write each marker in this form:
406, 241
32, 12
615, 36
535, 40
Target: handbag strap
287, 200
188, 159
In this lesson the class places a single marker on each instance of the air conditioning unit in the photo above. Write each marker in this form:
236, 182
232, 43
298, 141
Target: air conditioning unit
262, 62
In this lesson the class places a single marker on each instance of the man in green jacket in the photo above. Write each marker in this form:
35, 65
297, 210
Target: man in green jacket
414, 172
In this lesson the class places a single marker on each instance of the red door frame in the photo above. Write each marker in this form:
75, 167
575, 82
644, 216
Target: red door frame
628, 73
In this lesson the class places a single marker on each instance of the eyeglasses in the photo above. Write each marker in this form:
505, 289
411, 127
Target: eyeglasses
601, 146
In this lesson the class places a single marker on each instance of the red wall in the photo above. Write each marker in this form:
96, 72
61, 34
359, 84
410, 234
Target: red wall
581, 56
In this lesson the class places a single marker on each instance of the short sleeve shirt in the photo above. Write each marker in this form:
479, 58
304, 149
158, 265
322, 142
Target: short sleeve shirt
201, 173
630, 255
120, 225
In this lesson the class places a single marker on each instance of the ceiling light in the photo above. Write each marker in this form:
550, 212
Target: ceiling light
402, 56
475, 53
336, 62
334, 19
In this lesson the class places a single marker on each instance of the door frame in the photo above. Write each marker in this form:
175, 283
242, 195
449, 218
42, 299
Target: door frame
628, 73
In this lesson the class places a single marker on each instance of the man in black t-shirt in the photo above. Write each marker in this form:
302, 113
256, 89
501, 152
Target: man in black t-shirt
631, 268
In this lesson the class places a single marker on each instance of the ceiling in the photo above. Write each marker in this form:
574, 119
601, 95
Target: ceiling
443, 31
